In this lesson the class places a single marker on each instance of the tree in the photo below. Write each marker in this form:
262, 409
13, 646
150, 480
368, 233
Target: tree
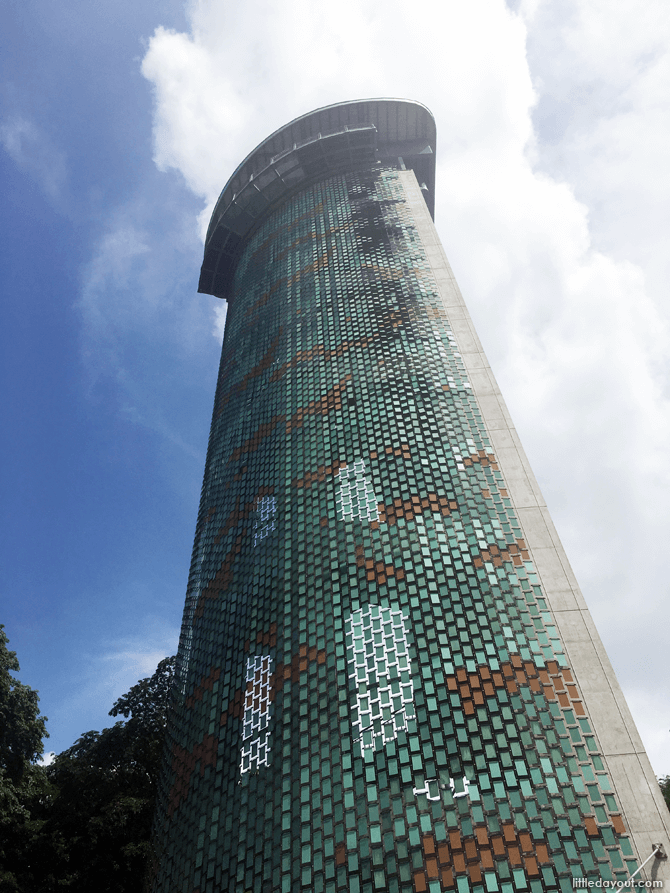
24, 788
100, 819
665, 789
84, 822
21, 726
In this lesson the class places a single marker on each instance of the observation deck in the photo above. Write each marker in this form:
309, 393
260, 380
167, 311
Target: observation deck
347, 136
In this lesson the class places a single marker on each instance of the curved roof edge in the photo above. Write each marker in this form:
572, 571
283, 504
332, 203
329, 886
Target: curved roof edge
337, 138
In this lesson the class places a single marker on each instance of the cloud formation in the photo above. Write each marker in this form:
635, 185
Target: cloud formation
552, 140
142, 329
31, 150
106, 676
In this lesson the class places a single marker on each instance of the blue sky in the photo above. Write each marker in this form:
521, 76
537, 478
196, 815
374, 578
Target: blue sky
119, 125
108, 362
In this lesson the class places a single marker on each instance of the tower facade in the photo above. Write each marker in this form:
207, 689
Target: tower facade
388, 679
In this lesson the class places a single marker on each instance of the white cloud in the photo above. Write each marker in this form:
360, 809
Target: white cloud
239, 75
106, 676
220, 320
31, 149
143, 326
204, 119
604, 118
651, 712
555, 231
133, 661
112, 267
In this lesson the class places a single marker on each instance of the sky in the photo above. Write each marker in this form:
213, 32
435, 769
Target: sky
119, 126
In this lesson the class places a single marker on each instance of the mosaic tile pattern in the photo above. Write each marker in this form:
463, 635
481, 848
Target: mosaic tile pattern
379, 672
372, 693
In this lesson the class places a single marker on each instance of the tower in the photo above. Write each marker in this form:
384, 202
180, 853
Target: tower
388, 679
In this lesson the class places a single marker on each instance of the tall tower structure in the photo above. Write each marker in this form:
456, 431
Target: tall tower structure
388, 678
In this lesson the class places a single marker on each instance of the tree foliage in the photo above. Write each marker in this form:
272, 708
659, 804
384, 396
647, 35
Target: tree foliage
101, 817
84, 822
23, 786
665, 789
21, 726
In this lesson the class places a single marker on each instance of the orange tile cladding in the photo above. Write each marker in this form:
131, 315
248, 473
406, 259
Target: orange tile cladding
618, 824
591, 827
420, 881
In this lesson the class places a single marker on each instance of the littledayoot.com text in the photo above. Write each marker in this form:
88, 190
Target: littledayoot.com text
582, 883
